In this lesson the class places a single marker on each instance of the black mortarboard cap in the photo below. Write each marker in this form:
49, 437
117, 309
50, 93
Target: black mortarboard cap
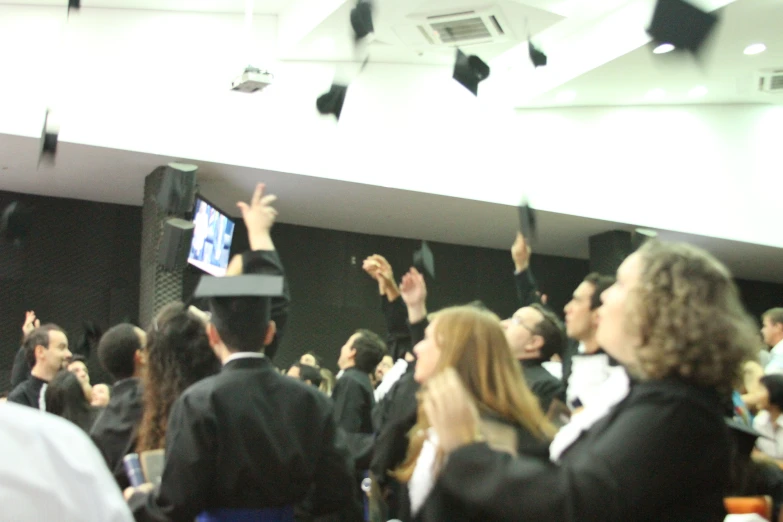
48, 141
681, 24
16, 222
536, 56
424, 260
469, 71
527, 221
361, 19
73, 4
247, 285
240, 303
332, 101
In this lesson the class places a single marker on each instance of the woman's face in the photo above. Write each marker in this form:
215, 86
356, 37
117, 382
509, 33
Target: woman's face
612, 334
428, 353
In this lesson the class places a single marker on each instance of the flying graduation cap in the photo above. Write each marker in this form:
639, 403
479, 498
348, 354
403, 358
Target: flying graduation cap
332, 101
16, 222
469, 71
73, 4
424, 260
681, 24
361, 19
538, 58
48, 144
527, 220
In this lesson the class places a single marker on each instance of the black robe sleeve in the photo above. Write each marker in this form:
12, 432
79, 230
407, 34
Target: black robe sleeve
527, 288
417, 331
268, 262
190, 464
655, 456
21, 370
398, 338
349, 399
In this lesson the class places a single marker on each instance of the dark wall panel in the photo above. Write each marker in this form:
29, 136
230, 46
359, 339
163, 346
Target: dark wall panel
80, 263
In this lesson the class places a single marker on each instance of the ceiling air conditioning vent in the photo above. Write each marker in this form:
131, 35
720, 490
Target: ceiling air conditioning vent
771, 81
464, 28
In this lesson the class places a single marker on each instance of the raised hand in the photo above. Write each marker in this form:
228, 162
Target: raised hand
379, 269
259, 216
413, 290
30, 322
451, 411
520, 253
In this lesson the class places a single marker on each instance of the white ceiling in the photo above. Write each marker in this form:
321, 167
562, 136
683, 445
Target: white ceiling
110, 175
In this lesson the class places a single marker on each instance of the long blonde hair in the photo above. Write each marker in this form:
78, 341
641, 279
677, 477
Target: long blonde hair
474, 344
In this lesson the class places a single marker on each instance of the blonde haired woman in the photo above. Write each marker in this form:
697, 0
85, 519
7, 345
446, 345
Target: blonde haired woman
472, 342
675, 321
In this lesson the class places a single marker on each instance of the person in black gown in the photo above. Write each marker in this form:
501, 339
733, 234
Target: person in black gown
675, 321
249, 441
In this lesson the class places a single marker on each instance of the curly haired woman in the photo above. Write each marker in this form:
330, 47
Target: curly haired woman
675, 321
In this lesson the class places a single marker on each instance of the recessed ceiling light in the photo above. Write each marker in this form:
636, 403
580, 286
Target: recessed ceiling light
698, 92
655, 94
566, 96
755, 48
664, 48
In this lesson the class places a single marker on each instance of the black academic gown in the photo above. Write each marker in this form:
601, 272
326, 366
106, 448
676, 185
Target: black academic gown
250, 438
20, 371
391, 445
28, 392
353, 403
543, 384
114, 430
663, 453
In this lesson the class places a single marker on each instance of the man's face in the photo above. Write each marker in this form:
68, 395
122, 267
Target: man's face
79, 369
519, 333
57, 355
383, 367
771, 332
347, 353
100, 395
579, 319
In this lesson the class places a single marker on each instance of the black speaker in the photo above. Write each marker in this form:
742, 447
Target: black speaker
175, 244
16, 222
177, 189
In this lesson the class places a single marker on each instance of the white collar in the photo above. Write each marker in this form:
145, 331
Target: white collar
243, 355
777, 349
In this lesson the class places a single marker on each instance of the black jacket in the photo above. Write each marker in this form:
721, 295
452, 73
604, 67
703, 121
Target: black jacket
663, 453
543, 384
114, 430
28, 393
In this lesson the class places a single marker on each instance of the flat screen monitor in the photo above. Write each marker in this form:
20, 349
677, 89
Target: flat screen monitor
212, 237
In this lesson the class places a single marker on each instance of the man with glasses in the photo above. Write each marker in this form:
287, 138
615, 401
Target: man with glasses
534, 335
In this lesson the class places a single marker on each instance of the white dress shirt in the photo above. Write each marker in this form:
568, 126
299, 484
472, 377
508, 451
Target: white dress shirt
775, 364
771, 444
51, 470
391, 378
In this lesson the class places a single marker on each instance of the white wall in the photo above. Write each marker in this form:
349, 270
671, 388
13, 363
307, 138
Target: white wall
158, 83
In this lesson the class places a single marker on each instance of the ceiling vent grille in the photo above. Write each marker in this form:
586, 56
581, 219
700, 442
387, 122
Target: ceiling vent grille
771, 81
464, 28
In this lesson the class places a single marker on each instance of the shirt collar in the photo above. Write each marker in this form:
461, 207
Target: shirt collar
777, 349
243, 355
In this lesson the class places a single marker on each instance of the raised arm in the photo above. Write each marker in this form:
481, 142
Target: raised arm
414, 293
527, 288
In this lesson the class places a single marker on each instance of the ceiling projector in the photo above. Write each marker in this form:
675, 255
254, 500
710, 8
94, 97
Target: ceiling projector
252, 79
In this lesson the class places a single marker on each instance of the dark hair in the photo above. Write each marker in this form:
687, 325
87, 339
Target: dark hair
178, 355
775, 315
38, 337
117, 349
65, 397
242, 322
551, 329
309, 373
774, 385
600, 283
370, 349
